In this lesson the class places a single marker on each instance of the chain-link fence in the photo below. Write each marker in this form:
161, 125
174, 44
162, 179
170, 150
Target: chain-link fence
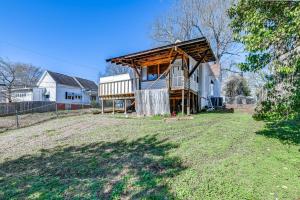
18, 118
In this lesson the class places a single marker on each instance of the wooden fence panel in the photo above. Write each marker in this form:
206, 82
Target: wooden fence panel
152, 102
26, 107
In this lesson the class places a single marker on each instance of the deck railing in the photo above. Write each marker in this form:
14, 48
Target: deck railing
123, 87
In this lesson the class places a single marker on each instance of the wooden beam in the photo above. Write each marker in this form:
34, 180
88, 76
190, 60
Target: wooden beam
179, 50
197, 64
135, 68
165, 72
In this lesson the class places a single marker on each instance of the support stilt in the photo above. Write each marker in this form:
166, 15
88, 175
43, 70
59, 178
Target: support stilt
125, 106
182, 104
113, 112
188, 107
102, 106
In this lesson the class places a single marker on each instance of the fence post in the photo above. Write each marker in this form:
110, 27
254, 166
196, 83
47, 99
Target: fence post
56, 110
17, 119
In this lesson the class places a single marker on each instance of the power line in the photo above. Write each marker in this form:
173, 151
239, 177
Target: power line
49, 56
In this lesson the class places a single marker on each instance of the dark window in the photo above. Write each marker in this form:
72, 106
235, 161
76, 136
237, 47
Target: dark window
66, 95
163, 67
152, 72
47, 96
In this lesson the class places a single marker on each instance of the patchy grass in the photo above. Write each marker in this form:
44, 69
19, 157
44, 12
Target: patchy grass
208, 156
29, 119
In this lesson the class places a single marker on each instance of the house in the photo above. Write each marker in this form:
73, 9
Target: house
180, 77
67, 91
27, 94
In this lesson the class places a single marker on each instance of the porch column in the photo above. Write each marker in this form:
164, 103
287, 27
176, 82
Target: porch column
125, 106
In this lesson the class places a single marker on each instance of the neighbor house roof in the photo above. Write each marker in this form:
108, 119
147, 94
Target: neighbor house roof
72, 81
87, 84
63, 79
199, 49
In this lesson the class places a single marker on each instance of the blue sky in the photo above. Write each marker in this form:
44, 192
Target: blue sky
75, 36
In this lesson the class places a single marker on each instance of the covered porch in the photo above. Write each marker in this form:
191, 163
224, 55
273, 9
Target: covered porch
172, 67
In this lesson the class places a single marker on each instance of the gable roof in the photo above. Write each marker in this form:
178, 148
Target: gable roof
63, 79
72, 81
87, 84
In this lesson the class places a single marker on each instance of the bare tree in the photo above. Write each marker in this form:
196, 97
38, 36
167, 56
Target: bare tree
7, 77
27, 75
195, 18
14, 75
113, 69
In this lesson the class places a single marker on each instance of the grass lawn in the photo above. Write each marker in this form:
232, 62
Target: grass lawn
212, 156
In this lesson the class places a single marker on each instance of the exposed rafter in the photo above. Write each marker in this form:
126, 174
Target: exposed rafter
198, 63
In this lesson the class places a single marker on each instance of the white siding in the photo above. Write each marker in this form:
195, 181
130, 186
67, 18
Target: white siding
61, 95
19, 96
38, 94
49, 84
193, 79
159, 84
120, 77
205, 87
204, 84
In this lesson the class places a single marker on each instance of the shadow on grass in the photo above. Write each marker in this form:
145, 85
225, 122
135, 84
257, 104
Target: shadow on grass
105, 170
288, 132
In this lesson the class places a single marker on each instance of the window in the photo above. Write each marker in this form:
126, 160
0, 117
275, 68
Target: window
20, 94
152, 73
69, 95
47, 96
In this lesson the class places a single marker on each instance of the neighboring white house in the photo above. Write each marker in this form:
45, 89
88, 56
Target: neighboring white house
66, 90
27, 94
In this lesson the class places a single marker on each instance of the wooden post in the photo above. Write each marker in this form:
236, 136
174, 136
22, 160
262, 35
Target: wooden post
102, 106
17, 119
182, 104
187, 78
125, 106
174, 105
56, 110
113, 107
194, 104
188, 102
